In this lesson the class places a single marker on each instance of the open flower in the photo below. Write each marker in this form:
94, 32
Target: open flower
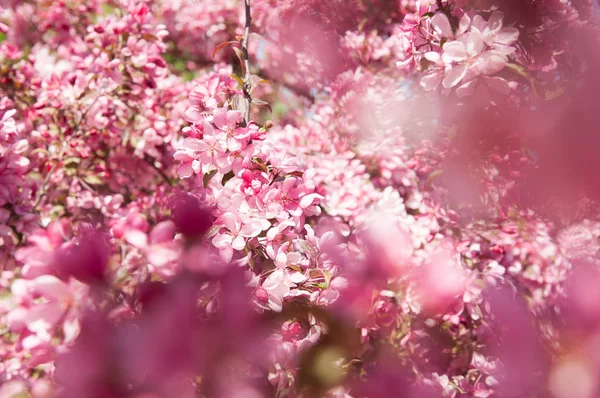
160, 247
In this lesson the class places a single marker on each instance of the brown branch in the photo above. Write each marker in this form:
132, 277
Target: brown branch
161, 173
297, 89
248, 76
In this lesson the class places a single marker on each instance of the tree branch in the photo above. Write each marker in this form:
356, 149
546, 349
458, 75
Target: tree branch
248, 76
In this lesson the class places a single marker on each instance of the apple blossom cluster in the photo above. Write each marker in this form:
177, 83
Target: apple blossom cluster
299, 198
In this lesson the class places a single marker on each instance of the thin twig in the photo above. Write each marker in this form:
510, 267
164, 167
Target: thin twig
160, 172
42, 191
247, 76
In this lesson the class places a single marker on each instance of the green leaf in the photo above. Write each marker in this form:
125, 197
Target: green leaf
237, 79
519, 70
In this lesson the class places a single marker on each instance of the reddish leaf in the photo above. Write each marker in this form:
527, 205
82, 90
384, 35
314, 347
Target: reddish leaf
223, 45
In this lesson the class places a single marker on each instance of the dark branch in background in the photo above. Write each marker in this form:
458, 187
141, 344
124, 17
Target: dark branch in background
447, 10
150, 161
297, 89
247, 77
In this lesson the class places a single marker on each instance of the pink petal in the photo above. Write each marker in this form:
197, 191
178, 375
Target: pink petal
281, 260
230, 221
227, 254
463, 24
71, 327
161, 255
233, 144
251, 230
273, 280
207, 128
497, 84
454, 75
492, 63
294, 209
339, 283
275, 303
433, 56
163, 232
8, 114
222, 241
297, 277
288, 184
233, 118
220, 118
136, 238
193, 144
43, 317
15, 319
309, 199
238, 243
455, 50
431, 81
478, 23
328, 296
193, 115
495, 21
50, 287
507, 36
467, 89
441, 24
473, 42
185, 170
182, 156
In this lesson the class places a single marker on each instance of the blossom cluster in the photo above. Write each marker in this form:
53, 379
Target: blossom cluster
377, 200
